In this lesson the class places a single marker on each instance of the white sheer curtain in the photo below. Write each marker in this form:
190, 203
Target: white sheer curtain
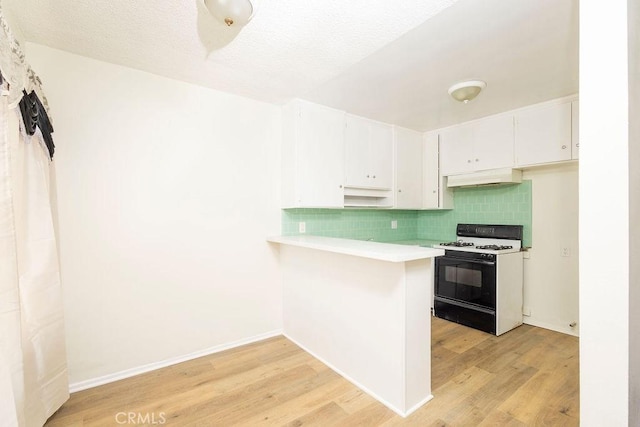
33, 370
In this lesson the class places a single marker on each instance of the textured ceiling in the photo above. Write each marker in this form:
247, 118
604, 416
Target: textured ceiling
525, 50
288, 48
389, 60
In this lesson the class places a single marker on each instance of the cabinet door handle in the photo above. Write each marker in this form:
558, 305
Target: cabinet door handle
434, 191
564, 147
340, 186
367, 176
399, 191
468, 161
477, 160
374, 177
578, 145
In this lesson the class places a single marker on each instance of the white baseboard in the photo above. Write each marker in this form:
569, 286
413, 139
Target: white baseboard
403, 414
417, 405
563, 330
116, 376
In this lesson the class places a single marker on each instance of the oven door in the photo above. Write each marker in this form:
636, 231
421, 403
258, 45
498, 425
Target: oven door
461, 278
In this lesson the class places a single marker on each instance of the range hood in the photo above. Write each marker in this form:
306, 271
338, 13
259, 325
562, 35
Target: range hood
489, 177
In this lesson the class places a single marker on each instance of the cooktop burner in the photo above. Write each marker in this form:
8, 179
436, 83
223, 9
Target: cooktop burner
485, 239
495, 247
457, 244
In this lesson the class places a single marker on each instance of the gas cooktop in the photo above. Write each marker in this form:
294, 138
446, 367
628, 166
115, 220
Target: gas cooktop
485, 239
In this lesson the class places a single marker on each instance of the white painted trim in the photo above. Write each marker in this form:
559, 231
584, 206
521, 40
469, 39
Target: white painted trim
127, 373
418, 405
550, 326
357, 384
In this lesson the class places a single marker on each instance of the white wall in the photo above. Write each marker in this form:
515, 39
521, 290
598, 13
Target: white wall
604, 216
166, 193
551, 280
634, 212
15, 29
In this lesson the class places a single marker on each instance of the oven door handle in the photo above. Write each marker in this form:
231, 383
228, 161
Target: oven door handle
473, 261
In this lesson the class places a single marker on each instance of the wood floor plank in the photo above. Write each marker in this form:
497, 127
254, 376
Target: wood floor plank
276, 392
232, 407
460, 343
373, 414
447, 399
503, 385
327, 415
528, 376
525, 403
290, 410
451, 366
354, 400
499, 418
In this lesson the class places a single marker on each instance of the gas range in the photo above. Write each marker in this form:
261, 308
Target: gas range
479, 279
485, 239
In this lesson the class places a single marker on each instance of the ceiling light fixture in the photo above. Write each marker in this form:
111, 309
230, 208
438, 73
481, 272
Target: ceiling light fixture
231, 12
466, 91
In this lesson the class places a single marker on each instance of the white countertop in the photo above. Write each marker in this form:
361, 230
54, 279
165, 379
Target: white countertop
366, 249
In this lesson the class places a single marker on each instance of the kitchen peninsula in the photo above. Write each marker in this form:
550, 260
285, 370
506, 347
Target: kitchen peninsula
363, 308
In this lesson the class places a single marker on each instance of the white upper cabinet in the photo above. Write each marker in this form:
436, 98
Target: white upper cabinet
543, 134
575, 140
408, 169
357, 173
456, 150
313, 156
493, 143
479, 145
435, 194
368, 154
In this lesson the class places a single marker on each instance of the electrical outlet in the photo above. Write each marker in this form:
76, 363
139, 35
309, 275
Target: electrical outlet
526, 311
302, 227
394, 224
566, 252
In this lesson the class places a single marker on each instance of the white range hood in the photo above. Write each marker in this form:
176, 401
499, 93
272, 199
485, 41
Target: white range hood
489, 177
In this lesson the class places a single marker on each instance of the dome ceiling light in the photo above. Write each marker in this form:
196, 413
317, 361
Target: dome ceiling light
466, 91
231, 12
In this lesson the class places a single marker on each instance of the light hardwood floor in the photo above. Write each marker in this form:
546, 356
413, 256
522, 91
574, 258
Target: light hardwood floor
527, 377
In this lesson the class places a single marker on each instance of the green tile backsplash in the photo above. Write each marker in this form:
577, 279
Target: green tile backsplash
352, 223
507, 204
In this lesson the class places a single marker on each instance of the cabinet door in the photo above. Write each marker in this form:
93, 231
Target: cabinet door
320, 159
456, 150
575, 139
408, 169
381, 155
357, 171
430, 173
543, 135
493, 143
